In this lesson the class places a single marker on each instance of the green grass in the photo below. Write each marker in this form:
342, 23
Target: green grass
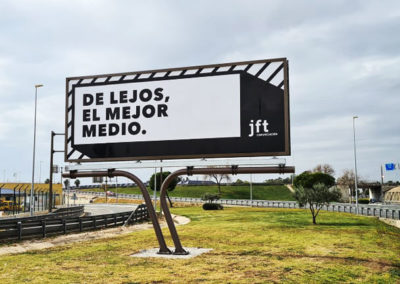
250, 245
262, 192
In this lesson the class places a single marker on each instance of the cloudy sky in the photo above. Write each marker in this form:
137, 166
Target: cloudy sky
344, 60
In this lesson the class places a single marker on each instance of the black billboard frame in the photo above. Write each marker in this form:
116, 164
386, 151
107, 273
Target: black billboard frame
80, 81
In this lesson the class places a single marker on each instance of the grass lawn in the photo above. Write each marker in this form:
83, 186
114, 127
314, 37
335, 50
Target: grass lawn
262, 192
250, 245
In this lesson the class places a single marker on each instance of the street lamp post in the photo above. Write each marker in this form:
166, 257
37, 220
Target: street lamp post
34, 148
40, 172
355, 163
251, 189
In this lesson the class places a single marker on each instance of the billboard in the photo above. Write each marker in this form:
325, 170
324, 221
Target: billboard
225, 110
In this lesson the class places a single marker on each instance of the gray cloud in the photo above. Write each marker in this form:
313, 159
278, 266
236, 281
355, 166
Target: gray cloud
344, 61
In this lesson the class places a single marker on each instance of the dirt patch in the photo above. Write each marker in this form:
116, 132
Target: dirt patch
192, 252
391, 222
290, 187
30, 245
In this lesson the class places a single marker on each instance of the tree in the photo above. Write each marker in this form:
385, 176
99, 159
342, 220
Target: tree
279, 180
66, 183
315, 197
324, 168
160, 178
171, 185
218, 179
47, 181
347, 179
308, 179
77, 183
241, 182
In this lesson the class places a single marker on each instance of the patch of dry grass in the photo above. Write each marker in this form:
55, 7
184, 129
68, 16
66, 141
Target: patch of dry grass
140, 201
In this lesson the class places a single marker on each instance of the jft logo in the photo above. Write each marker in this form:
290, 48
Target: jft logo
255, 127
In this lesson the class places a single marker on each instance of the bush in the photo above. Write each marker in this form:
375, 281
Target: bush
316, 197
212, 206
210, 197
363, 200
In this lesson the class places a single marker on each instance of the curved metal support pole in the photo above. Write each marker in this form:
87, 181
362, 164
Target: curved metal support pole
112, 173
163, 201
203, 171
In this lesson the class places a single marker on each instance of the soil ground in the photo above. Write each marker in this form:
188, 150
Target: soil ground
30, 245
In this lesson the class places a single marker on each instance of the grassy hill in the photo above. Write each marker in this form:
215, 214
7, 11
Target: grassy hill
262, 192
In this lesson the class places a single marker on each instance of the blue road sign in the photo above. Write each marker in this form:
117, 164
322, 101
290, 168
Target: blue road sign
390, 167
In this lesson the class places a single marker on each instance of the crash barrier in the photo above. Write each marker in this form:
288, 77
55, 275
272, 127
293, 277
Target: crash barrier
30, 228
75, 211
363, 209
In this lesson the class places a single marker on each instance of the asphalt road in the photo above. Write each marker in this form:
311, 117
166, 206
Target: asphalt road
98, 209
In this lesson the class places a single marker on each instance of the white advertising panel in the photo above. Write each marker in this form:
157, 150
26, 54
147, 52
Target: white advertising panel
194, 108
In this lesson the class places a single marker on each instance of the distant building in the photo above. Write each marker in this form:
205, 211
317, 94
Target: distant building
196, 182
8, 194
393, 195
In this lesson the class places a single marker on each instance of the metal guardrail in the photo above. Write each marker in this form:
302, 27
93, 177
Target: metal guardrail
28, 228
75, 211
363, 209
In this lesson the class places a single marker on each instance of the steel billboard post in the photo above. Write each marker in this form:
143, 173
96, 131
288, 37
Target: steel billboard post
113, 173
155, 189
52, 151
51, 171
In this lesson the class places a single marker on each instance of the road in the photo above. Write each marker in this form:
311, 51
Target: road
98, 209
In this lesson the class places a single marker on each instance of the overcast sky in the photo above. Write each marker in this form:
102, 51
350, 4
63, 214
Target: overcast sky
344, 59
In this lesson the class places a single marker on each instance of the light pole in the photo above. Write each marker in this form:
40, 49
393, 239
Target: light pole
34, 148
355, 162
40, 172
251, 189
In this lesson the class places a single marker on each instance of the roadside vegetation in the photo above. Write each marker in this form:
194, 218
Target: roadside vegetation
250, 245
262, 192
315, 190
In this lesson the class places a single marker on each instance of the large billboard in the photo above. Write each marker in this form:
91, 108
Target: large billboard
224, 110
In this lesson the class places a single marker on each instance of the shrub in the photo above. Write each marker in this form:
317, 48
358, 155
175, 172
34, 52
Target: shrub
363, 200
212, 206
316, 197
210, 197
